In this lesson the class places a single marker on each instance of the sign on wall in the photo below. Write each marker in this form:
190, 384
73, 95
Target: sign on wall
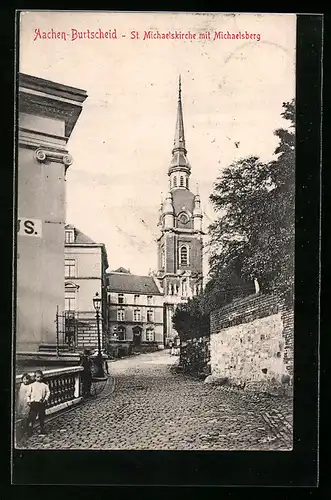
29, 227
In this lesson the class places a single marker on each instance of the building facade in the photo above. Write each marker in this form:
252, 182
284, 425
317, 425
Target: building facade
180, 243
48, 112
135, 311
85, 269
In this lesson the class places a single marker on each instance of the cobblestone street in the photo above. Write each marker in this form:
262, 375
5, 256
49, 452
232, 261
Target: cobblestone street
154, 408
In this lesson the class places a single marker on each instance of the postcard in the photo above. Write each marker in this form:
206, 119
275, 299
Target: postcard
155, 231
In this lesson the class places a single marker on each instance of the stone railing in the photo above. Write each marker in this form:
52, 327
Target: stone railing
64, 385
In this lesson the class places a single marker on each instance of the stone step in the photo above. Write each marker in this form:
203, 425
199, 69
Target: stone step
53, 347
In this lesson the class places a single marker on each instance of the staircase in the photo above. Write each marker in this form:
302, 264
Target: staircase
52, 348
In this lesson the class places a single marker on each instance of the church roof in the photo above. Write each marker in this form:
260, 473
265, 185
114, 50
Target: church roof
132, 283
182, 198
122, 270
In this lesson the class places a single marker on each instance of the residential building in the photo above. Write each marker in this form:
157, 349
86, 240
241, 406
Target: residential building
47, 114
135, 310
85, 269
180, 242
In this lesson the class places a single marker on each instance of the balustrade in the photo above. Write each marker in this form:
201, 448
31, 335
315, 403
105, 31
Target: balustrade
65, 386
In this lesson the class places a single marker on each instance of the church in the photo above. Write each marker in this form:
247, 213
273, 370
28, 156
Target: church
180, 241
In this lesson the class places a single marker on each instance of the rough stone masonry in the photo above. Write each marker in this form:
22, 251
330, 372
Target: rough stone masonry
251, 343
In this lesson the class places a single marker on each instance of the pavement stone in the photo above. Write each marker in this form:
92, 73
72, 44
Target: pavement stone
154, 408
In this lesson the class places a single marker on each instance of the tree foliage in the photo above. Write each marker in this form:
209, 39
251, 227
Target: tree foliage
253, 235
190, 319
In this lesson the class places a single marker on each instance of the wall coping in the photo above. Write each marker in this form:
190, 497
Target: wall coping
245, 300
46, 354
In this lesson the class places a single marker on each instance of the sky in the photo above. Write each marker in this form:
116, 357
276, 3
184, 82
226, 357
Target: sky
232, 95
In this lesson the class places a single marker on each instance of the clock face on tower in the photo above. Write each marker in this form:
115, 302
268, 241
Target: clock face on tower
184, 218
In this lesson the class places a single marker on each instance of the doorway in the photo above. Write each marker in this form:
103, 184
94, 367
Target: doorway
137, 331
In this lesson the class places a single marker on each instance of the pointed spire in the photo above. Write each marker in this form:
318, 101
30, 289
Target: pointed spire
179, 142
179, 160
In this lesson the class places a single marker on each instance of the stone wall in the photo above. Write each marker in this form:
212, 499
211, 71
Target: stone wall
195, 356
251, 342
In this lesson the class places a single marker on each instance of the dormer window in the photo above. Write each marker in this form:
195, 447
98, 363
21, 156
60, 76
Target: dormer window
69, 236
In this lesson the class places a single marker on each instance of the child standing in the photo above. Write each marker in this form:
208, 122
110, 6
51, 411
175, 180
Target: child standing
37, 399
22, 405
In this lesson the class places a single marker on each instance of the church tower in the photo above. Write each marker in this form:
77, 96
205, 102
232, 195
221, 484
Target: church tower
180, 224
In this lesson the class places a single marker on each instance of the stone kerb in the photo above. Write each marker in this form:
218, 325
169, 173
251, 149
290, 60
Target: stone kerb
251, 344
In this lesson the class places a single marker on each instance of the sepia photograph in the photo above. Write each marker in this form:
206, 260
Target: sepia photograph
154, 250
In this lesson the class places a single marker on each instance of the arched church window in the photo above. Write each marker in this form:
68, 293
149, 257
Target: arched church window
181, 181
175, 181
183, 255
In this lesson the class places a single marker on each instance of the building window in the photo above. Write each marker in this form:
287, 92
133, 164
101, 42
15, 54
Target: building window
69, 268
149, 300
121, 333
181, 181
120, 298
150, 335
183, 255
175, 181
150, 316
70, 300
120, 314
136, 299
187, 182
108, 298
69, 236
137, 315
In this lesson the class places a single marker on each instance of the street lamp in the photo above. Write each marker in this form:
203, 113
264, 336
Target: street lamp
98, 359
